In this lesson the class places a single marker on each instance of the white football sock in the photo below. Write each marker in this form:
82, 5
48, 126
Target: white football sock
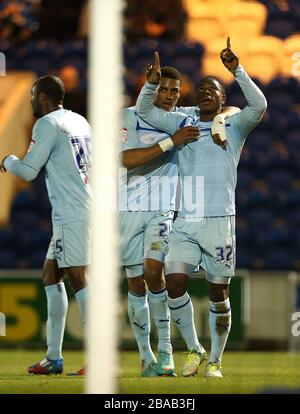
161, 315
138, 312
57, 306
182, 312
220, 324
81, 297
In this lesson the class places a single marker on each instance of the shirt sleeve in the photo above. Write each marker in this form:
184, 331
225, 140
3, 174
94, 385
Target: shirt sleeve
42, 143
128, 135
169, 122
250, 116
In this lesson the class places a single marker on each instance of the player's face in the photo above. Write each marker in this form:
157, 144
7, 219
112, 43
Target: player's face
210, 96
35, 103
167, 94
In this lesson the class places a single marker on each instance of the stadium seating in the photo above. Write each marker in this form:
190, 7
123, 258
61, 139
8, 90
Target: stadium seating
205, 22
264, 56
39, 56
267, 40
245, 21
290, 57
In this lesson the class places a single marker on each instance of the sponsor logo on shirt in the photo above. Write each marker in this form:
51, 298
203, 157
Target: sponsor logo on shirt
32, 142
124, 135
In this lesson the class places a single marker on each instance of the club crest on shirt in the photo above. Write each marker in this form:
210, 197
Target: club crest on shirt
64, 130
124, 135
151, 138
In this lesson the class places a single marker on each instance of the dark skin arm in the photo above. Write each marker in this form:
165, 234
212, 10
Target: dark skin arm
2, 168
136, 157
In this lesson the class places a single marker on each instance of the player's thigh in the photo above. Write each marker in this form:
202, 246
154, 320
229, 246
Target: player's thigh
132, 239
157, 231
72, 243
184, 253
219, 249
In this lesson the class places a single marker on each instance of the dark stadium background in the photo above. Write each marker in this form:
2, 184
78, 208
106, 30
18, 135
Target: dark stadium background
51, 36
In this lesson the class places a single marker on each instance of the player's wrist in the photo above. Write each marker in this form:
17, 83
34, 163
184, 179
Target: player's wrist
166, 144
8, 161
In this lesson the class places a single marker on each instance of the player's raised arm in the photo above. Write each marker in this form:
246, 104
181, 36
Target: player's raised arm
159, 118
251, 115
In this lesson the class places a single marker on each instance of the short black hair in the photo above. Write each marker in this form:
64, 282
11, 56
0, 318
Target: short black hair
52, 86
170, 72
211, 78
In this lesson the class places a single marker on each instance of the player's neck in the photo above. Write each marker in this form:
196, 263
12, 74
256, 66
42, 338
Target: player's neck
51, 108
207, 117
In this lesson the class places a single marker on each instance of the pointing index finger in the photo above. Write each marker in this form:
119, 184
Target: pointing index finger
228, 43
156, 59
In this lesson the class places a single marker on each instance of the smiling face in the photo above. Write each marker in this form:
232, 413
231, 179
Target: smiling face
167, 94
210, 96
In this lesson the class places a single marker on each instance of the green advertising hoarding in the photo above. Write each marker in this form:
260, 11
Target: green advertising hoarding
23, 303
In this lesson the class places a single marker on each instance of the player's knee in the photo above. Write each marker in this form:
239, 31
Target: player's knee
153, 274
176, 285
218, 292
77, 278
137, 285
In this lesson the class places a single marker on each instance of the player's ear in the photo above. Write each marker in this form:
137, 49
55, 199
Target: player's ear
42, 97
223, 98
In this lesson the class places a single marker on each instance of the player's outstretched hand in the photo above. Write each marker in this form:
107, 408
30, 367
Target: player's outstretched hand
2, 168
229, 59
185, 135
153, 71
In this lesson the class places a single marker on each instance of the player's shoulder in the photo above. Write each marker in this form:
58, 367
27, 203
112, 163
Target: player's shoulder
193, 111
130, 112
129, 115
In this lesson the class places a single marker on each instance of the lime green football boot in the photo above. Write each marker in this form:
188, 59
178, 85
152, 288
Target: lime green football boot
213, 370
192, 362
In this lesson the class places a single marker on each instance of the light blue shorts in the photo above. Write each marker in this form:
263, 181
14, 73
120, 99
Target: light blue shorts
144, 235
208, 242
71, 244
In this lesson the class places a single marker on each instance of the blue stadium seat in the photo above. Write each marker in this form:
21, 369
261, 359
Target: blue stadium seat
24, 219
260, 139
245, 177
281, 235
6, 238
145, 54
279, 178
279, 258
260, 219
282, 93
36, 258
187, 57
243, 258
282, 27
39, 56
8, 258
74, 53
293, 218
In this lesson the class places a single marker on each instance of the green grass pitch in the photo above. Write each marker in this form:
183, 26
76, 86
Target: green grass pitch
244, 372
